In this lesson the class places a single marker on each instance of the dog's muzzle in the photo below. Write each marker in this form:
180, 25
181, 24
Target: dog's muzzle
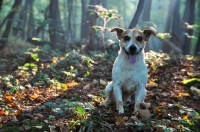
132, 54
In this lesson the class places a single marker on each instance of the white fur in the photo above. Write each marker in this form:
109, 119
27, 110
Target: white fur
128, 80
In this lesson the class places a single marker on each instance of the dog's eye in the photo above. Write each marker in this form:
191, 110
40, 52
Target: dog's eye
139, 38
127, 38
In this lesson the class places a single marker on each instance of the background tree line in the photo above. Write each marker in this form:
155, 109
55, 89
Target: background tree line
62, 22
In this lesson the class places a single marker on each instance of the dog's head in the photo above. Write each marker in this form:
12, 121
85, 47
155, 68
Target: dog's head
132, 41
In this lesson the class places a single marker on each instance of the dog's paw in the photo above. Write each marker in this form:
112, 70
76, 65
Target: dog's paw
120, 110
136, 107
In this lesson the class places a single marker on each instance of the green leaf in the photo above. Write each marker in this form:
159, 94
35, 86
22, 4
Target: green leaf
35, 57
154, 68
50, 104
110, 15
192, 81
58, 111
103, 14
81, 111
96, 28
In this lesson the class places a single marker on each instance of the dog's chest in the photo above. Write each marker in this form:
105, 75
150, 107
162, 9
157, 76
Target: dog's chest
130, 77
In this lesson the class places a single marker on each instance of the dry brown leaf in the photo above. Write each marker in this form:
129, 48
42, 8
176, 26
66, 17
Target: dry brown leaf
2, 112
87, 86
72, 84
119, 120
39, 115
34, 96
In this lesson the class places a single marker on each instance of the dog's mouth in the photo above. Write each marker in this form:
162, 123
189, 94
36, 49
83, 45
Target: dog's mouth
132, 57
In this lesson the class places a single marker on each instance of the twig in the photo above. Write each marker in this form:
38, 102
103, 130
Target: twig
106, 125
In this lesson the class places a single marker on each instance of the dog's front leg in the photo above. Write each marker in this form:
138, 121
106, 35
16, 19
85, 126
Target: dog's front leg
108, 94
139, 97
117, 92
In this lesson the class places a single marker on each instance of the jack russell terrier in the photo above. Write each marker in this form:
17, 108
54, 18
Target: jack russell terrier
129, 73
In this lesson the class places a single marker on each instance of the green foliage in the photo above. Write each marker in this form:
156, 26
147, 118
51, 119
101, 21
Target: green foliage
191, 82
106, 15
81, 111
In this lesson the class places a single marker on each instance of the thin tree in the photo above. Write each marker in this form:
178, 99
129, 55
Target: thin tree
89, 22
197, 49
55, 26
188, 19
9, 24
137, 14
145, 17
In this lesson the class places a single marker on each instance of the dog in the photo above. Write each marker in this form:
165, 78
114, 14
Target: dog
129, 73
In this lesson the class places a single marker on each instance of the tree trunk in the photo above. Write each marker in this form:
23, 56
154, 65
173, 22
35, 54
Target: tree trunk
137, 14
9, 24
145, 17
166, 48
146, 10
188, 18
22, 16
31, 26
197, 49
55, 27
41, 28
69, 25
175, 33
84, 23
1, 2
91, 21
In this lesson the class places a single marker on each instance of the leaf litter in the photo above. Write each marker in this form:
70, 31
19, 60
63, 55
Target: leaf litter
63, 93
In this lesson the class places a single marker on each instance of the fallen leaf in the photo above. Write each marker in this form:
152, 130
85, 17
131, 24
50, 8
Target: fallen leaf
196, 106
71, 84
2, 112
39, 127
158, 110
34, 96
87, 86
185, 117
119, 121
8, 97
14, 119
102, 82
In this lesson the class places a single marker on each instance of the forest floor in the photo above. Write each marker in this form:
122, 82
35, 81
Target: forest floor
43, 89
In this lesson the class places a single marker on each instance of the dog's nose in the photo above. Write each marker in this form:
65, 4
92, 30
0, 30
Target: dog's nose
132, 48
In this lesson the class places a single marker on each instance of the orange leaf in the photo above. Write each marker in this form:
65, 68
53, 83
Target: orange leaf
185, 117
19, 111
158, 110
119, 121
33, 97
71, 84
36, 90
11, 104
8, 98
2, 112
182, 94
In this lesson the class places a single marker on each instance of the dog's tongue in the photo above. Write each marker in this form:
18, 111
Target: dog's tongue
132, 58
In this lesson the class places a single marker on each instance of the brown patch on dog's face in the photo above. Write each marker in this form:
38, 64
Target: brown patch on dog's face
132, 36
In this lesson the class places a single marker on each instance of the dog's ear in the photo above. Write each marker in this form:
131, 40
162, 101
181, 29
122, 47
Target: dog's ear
148, 33
119, 32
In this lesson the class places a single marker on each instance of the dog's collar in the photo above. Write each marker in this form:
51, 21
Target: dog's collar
128, 53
